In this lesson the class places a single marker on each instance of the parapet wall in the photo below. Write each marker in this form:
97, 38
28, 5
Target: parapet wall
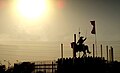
87, 64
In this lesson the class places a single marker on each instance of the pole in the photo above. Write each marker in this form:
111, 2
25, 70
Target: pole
79, 33
93, 51
79, 38
52, 67
112, 57
96, 44
75, 38
94, 32
101, 50
62, 51
74, 53
107, 52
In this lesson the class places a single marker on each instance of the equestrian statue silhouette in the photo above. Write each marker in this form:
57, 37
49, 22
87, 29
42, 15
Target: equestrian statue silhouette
80, 46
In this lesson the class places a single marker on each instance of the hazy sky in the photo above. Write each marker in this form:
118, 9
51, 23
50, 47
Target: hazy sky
59, 25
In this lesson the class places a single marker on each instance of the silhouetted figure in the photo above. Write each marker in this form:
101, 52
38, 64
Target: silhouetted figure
81, 40
82, 45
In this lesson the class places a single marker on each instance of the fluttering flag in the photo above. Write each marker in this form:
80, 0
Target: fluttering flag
93, 30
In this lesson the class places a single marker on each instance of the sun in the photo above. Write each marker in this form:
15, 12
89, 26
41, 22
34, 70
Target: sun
31, 9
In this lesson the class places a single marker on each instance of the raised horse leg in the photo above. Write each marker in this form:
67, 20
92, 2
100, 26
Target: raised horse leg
86, 48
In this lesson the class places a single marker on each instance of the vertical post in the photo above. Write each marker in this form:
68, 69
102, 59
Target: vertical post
62, 51
79, 38
75, 38
45, 68
52, 67
93, 51
74, 53
94, 32
96, 44
107, 52
79, 33
112, 57
101, 51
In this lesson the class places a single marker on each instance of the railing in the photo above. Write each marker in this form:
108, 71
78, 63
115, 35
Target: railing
46, 67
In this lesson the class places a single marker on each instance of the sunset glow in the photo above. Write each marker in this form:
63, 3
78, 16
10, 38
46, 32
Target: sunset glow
31, 9
33, 30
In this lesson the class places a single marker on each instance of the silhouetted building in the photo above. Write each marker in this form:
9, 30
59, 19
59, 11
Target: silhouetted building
2, 68
25, 67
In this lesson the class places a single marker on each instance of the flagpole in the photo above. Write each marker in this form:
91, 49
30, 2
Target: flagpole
79, 38
96, 40
94, 32
96, 43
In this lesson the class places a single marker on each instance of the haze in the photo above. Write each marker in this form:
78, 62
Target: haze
24, 38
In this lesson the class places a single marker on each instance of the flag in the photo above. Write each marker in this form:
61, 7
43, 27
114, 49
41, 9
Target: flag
93, 30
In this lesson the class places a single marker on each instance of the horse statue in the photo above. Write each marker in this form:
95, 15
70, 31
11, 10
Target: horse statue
80, 47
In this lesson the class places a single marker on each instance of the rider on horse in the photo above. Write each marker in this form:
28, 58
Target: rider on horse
81, 40
81, 43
